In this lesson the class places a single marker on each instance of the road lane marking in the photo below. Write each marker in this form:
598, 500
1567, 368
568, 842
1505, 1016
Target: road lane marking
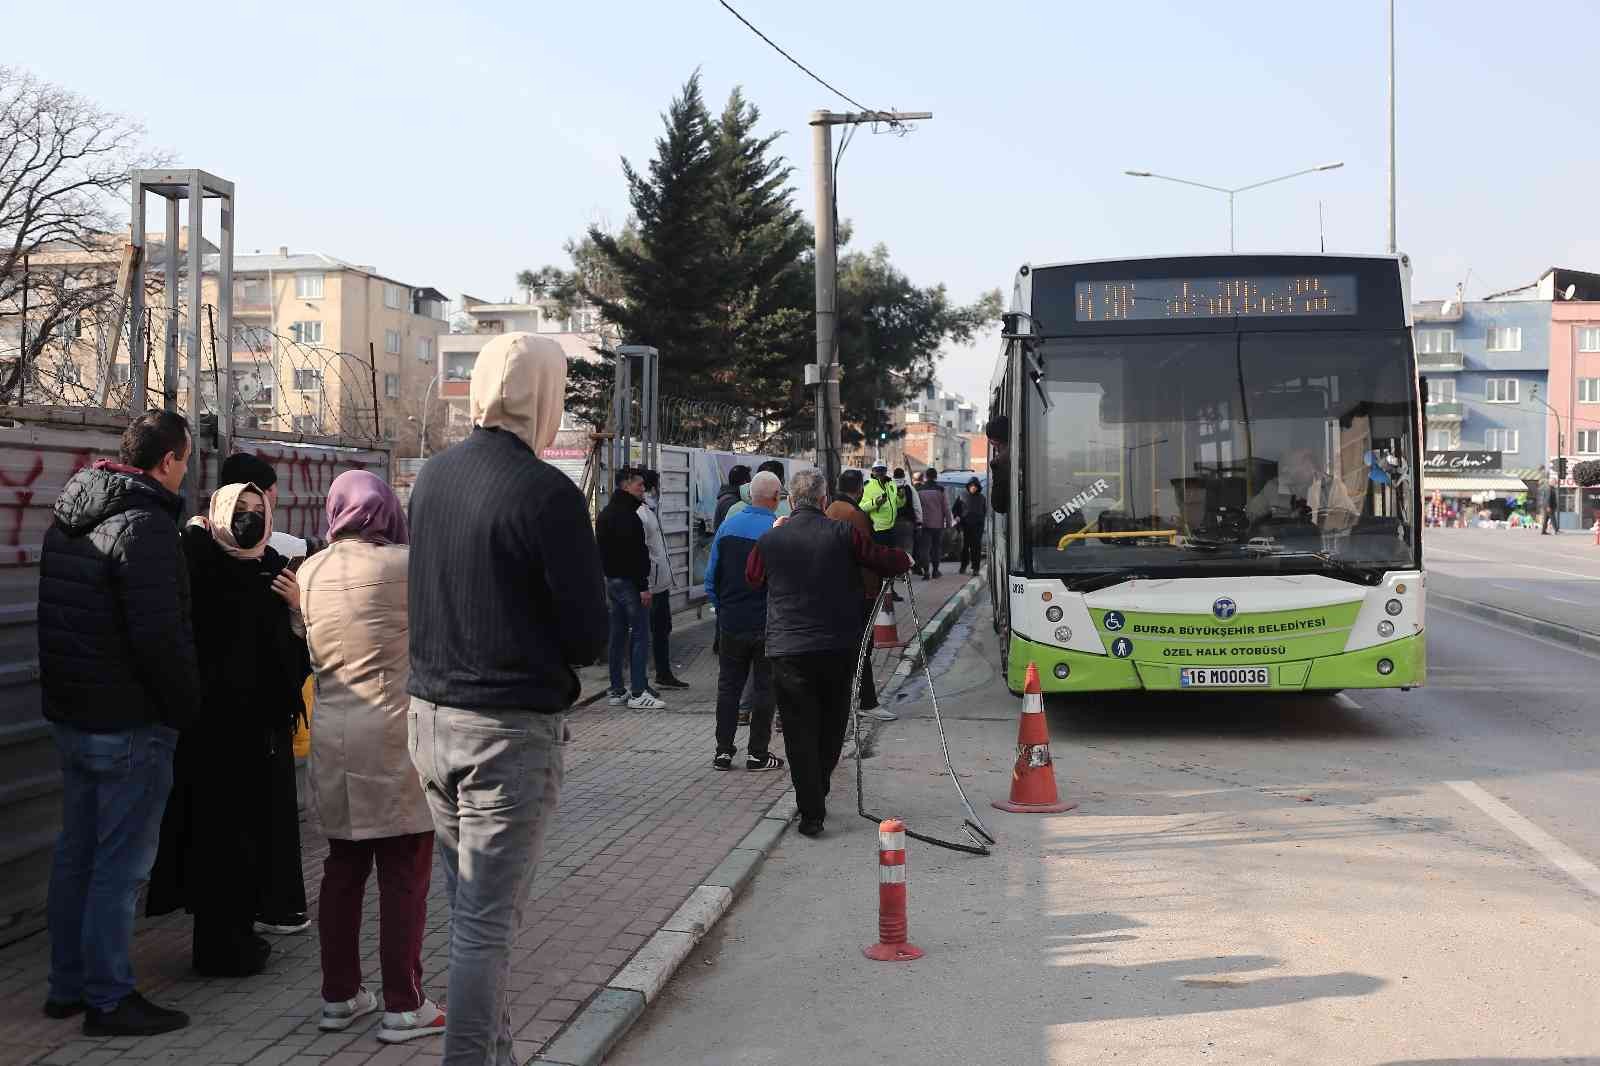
1508, 562
1556, 853
1508, 588
1346, 702
1563, 599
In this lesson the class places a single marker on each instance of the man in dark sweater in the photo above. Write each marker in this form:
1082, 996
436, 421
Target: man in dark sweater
810, 568
119, 678
728, 495
625, 557
506, 596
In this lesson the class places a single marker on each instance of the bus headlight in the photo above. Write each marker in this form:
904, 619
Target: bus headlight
1385, 628
1061, 671
1053, 613
1064, 634
1394, 607
1385, 667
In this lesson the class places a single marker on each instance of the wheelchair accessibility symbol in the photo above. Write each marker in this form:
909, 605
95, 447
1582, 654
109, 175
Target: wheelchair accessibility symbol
1114, 621
1122, 647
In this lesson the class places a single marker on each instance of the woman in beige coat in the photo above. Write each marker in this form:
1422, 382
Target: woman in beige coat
366, 791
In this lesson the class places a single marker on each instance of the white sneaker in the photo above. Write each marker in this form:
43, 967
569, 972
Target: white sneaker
400, 1026
616, 699
646, 701
337, 1017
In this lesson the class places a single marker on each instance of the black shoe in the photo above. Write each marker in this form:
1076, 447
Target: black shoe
134, 1016
668, 681
723, 761
811, 827
59, 1009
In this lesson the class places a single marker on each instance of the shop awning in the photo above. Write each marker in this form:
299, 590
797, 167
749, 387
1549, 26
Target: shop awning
1466, 486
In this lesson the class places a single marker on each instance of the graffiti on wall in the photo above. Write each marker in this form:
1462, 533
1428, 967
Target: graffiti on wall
33, 473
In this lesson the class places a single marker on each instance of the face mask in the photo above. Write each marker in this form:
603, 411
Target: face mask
248, 529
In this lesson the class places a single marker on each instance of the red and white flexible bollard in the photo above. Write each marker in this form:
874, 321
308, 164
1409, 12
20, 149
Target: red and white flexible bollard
892, 945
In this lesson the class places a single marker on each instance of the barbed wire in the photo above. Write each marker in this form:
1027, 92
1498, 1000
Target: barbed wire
280, 382
696, 423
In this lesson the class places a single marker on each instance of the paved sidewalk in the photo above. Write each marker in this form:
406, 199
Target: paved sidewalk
643, 821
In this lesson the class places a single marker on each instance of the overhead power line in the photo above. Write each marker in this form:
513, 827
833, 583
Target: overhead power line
778, 48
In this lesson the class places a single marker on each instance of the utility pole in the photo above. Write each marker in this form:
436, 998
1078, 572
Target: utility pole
1392, 245
824, 373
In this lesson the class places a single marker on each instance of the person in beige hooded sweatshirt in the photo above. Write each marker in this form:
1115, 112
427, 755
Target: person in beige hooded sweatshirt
507, 596
353, 599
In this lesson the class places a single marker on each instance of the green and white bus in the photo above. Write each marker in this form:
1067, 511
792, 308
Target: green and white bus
1205, 475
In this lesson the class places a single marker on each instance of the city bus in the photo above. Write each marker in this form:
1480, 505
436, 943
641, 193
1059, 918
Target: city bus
1205, 475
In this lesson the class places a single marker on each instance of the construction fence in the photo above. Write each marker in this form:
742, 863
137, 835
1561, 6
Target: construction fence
40, 449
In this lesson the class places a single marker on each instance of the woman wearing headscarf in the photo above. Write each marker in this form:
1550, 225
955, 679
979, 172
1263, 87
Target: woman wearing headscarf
363, 784
216, 836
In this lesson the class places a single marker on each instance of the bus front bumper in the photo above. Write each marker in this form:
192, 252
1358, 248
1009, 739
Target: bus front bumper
1103, 673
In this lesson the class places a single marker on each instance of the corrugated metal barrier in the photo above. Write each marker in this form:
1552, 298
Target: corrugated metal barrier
40, 450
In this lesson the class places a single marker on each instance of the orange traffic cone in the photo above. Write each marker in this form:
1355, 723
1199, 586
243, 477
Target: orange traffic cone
1033, 779
885, 634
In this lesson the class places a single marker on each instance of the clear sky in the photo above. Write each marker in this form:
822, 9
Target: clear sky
452, 144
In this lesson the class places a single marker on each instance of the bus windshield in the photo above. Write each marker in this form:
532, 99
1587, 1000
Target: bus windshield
1221, 453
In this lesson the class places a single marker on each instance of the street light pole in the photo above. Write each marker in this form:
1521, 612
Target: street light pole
1231, 193
1392, 245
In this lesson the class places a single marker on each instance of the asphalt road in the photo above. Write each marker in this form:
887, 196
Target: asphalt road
1556, 578
1376, 878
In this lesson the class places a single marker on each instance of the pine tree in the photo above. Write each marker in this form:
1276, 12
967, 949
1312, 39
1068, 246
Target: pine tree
765, 316
671, 281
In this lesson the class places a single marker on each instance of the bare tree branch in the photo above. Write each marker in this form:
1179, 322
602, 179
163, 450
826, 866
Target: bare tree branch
64, 169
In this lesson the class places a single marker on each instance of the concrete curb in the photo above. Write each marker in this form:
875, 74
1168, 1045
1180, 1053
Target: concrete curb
1561, 634
595, 1030
935, 629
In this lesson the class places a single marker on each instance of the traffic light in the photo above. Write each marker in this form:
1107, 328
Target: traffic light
1561, 468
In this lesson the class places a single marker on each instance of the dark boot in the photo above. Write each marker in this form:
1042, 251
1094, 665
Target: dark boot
228, 949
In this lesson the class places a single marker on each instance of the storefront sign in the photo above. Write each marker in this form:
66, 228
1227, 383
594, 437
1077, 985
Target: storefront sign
1461, 462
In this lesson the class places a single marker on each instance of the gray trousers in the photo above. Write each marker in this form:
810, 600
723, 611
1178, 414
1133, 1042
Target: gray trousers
493, 781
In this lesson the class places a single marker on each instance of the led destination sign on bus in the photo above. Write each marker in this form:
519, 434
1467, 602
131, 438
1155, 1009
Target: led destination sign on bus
1166, 299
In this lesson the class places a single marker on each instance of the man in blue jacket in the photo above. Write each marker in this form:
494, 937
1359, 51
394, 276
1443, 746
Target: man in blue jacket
742, 627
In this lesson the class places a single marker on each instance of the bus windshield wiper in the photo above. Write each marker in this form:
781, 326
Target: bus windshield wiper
1092, 581
1364, 575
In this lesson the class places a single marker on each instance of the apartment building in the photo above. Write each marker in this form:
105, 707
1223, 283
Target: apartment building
312, 335
941, 428
1513, 381
315, 338
579, 330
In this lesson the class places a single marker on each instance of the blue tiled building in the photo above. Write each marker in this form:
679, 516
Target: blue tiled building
1486, 363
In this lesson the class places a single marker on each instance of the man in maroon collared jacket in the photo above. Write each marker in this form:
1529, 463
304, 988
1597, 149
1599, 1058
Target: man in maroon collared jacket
810, 565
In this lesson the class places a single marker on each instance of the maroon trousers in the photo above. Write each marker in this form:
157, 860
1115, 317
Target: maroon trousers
405, 864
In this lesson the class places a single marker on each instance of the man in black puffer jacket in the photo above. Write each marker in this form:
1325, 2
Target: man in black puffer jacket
117, 667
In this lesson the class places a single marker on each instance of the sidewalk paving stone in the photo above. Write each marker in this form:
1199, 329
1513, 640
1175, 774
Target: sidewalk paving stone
644, 822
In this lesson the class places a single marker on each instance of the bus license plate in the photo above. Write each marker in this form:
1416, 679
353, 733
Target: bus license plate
1225, 677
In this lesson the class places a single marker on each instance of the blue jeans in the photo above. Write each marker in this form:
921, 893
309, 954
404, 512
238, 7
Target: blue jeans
628, 612
114, 791
493, 782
